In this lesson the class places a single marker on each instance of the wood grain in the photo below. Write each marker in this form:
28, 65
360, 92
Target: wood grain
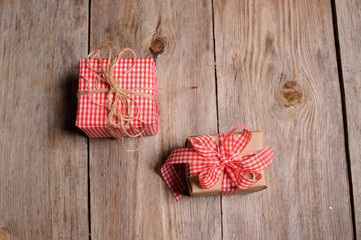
277, 71
129, 199
43, 164
349, 35
4, 235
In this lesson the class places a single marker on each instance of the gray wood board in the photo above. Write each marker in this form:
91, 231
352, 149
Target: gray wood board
349, 35
277, 71
129, 198
43, 164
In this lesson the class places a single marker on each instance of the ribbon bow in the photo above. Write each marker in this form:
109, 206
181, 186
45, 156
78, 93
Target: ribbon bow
209, 160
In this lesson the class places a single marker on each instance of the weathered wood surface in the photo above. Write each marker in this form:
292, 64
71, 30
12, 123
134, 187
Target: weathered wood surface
349, 35
129, 199
43, 164
277, 71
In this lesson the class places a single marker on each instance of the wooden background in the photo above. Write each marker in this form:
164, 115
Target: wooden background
291, 68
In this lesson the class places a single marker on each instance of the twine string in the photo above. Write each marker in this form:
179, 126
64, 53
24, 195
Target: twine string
116, 94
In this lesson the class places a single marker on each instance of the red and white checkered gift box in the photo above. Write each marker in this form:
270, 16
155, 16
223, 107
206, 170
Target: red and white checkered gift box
92, 117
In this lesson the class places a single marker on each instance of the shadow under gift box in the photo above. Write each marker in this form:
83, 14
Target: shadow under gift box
257, 143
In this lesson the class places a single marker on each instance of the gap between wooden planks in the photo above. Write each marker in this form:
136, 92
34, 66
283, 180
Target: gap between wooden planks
347, 19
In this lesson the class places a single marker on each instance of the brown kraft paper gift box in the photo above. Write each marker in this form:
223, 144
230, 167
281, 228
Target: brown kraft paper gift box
257, 143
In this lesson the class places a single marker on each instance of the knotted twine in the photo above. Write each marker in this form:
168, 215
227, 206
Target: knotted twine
115, 93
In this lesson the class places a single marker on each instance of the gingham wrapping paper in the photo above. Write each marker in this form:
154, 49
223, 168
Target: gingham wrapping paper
92, 118
209, 161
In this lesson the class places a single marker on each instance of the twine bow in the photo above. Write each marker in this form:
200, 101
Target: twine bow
209, 161
115, 93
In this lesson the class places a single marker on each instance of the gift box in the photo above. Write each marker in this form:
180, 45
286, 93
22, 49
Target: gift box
129, 97
220, 164
257, 143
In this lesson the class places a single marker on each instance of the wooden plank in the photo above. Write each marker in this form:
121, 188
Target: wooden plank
277, 71
349, 35
129, 199
43, 164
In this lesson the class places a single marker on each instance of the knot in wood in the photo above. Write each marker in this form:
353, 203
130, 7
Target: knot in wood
157, 46
291, 93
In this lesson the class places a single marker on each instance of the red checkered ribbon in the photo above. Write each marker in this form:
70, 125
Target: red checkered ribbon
209, 160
